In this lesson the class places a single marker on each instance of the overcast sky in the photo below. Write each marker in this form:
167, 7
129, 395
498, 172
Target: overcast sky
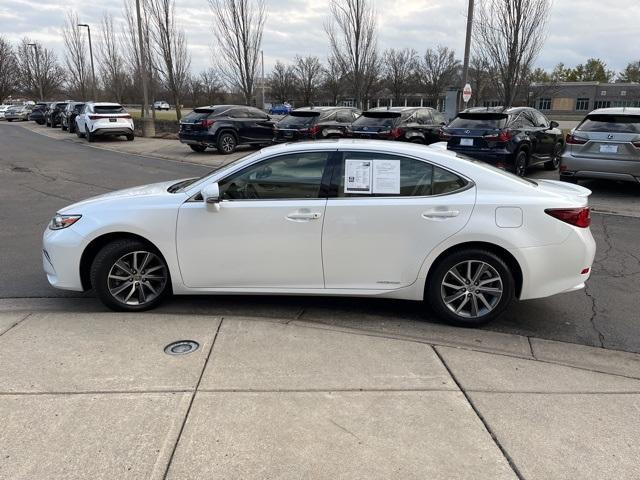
578, 29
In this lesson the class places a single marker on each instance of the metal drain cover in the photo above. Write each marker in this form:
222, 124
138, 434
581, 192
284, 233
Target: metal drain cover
181, 347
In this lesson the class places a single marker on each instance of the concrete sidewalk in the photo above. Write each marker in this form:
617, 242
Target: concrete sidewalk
87, 394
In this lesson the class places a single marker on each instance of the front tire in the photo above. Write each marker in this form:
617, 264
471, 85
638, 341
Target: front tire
227, 143
129, 275
554, 163
198, 148
470, 288
130, 137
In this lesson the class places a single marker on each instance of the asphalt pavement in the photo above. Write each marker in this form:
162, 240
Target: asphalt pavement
40, 174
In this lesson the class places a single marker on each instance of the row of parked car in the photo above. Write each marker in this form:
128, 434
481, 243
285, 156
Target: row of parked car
514, 138
86, 119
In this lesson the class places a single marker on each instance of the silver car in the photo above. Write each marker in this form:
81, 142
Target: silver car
18, 112
605, 145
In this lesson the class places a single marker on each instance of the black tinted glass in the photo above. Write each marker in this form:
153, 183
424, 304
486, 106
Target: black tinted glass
479, 121
611, 123
196, 116
108, 109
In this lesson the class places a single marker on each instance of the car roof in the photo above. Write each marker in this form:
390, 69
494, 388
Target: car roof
321, 109
616, 111
105, 104
398, 109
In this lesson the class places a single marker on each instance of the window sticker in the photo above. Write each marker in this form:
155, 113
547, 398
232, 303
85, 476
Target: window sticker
357, 176
386, 176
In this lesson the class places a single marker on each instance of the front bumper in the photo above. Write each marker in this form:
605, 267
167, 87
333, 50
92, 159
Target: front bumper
197, 139
61, 253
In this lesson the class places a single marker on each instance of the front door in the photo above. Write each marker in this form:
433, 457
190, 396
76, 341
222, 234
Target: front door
267, 231
387, 214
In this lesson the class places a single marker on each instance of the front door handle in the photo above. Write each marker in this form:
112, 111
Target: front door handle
440, 214
303, 216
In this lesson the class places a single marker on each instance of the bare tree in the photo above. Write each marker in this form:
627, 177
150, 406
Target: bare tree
111, 61
509, 35
308, 72
76, 57
170, 46
282, 82
353, 42
480, 80
399, 71
39, 72
211, 85
8, 69
437, 71
238, 26
333, 80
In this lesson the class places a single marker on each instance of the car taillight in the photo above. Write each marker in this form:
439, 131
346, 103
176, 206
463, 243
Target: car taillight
578, 217
207, 123
503, 136
125, 116
443, 135
636, 144
397, 132
573, 140
314, 130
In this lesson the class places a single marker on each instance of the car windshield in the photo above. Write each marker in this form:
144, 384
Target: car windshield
299, 119
378, 119
479, 121
611, 123
108, 109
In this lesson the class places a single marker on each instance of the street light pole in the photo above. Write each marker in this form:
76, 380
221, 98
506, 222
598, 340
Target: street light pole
467, 45
93, 70
262, 55
35, 47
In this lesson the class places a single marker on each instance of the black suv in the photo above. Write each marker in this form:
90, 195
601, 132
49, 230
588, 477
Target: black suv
38, 113
311, 123
52, 115
513, 138
225, 127
69, 114
408, 124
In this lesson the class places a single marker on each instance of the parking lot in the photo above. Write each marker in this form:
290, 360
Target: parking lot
293, 386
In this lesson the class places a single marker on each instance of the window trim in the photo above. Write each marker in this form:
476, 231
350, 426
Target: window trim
334, 183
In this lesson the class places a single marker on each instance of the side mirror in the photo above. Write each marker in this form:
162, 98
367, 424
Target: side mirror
211, 194
554, 124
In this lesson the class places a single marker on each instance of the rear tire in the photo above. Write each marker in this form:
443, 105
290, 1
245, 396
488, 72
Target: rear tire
116, 273
89, 135
198, 148
520, 163
470, 298
130, 137
554, 163
226, 143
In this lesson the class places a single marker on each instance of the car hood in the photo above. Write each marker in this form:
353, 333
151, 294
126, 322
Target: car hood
133, 193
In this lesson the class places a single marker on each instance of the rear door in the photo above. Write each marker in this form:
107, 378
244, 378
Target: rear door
384, 215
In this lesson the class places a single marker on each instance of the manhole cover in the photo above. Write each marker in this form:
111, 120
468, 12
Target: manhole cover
181, 348
21, 169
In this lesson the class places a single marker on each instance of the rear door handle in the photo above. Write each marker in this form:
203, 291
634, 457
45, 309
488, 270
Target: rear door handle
303, 216
440, 214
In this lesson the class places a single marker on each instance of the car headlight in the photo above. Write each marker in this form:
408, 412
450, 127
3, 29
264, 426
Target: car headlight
58, 222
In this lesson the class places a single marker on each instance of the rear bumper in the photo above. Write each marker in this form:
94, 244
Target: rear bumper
282, 137
204, 139
553, 269
597, 168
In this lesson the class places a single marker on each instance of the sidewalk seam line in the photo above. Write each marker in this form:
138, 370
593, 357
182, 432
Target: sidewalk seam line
193, 396
16, 323
487, 427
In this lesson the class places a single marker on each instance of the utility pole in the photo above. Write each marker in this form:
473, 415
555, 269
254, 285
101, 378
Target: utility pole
262, 55
93, 70
35, 47
148, 124
467, 48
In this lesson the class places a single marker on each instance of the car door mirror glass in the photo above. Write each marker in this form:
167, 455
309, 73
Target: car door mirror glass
211, 193
554, 124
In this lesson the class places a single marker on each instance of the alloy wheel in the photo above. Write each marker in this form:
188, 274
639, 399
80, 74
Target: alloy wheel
137, 278
471, 289
228, 144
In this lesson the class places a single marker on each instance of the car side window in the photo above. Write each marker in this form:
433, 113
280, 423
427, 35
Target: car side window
296, 175
541, 120
255, 113
424, 118
238, 113
413, 177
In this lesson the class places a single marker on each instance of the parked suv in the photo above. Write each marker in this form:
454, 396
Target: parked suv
606, 145
409, 124
514, 138
52, 115
104, 120
38, 113
225, 127
310, 123
69, 114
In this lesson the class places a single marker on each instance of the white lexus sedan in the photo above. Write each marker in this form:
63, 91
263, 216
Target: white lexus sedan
336, 217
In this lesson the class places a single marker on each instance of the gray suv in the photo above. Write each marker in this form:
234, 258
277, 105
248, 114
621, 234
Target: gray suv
605, 145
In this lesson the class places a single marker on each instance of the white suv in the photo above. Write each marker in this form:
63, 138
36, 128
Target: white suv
102, 119
161, 105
